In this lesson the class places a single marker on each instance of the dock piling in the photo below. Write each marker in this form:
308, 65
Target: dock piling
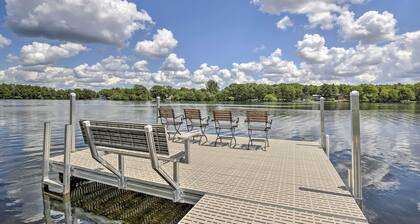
356, 184
327, 145
157, 109
322, 113
72, 120
46, 151
67, 152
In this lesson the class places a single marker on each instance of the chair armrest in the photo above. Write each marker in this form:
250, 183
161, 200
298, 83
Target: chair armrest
206, 118
237, 120
180, 116
269, 123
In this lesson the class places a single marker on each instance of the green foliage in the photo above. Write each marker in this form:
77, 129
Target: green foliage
251, 92
212, 86
329, 91
15, 91
270, 98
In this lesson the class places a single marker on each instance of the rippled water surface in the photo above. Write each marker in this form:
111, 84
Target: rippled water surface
390, 143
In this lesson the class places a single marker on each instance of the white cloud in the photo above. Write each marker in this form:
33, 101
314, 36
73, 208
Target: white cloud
103, 21
371, 27
141, 66
209, 72
172, 72
43, 53
173, 63
321, 13
163, 43
284, 23
4, 41
312, 49
259, 48
276, 70
392, 62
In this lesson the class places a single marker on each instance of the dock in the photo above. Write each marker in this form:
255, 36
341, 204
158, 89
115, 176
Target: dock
290, 182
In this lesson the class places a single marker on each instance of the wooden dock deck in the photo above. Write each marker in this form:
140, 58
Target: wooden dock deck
291, 182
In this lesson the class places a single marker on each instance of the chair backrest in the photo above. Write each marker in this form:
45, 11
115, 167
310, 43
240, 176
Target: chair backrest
166, 112
192, 114
222, 115
257, 116
130, 136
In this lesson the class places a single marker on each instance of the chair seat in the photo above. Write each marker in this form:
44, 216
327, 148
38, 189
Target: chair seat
226, 126
173, 123
198, 124
258, 128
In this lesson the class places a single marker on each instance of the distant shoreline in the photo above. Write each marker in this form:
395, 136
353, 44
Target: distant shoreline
234, 93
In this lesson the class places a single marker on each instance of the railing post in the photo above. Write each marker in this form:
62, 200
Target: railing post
356, 148
46, 151
322, 113
67, 153
157, 109
72, 120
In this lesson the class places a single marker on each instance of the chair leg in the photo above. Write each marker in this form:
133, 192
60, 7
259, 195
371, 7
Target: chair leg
217, 136
203, 133
266, 138
250, 138
233, 137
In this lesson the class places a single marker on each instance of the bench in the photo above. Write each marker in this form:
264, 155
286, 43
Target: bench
136, 140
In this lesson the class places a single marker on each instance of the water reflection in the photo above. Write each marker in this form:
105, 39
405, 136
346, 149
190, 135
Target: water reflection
389, 134
93, 202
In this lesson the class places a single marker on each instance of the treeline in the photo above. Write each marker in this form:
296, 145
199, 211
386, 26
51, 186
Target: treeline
250, 92
13, 91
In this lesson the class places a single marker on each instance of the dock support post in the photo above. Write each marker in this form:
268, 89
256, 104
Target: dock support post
322, 113
67, 152
157, 109
72, 120
356, 148
46, 151
327, 145
121, 168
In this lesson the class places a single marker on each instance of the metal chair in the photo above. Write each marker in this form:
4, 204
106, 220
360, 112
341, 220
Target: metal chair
168, 118
223, 120
136, 140
194, 119
258, 121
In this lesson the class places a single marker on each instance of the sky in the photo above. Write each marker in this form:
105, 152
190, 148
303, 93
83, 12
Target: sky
117, 43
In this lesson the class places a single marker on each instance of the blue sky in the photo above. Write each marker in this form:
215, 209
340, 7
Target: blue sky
235, 41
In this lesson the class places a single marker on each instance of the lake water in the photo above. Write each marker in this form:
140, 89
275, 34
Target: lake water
390, 136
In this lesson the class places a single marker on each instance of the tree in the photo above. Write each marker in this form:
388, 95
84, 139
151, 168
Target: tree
270, 98
212, 86
328, 91
406, 94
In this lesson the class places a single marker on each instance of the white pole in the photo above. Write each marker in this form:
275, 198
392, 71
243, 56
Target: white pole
72, 121
321, 108
67, 152
46, 150
327, 145
356, 148
157, 110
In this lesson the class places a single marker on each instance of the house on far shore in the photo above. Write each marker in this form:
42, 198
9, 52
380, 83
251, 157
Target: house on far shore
316, 97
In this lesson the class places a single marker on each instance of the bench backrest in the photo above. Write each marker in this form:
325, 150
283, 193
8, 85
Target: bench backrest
257, 116
192, 114
222, 115
130, 136
166, 112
